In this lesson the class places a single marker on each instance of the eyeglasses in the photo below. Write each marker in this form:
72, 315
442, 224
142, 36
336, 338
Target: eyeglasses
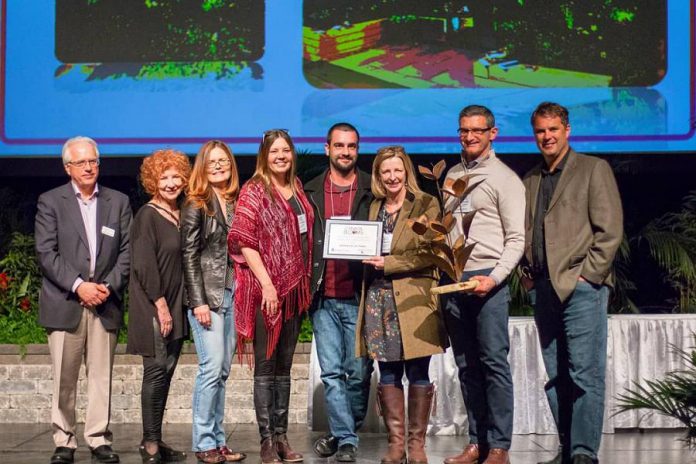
84, 163
223, 163
476, 131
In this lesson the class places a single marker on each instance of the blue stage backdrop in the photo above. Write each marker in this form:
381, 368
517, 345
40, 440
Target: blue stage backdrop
142, 74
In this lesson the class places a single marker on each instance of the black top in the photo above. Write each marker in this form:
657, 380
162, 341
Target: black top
155, 271
548, 183
297, 209
388, 224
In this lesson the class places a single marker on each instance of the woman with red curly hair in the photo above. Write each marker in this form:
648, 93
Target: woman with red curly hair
156, 314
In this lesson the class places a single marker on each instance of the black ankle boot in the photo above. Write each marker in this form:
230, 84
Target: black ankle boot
148, 458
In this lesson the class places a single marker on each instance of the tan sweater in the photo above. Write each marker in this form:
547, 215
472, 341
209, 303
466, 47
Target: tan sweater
498, 227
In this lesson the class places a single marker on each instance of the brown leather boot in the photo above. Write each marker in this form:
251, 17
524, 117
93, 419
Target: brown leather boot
470, 455
286, 453
391, 402
497, 456
268, 452
420, 400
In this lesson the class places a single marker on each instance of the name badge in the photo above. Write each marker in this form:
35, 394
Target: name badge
302, 223
347, 218
108, 231
465, 206
386, 243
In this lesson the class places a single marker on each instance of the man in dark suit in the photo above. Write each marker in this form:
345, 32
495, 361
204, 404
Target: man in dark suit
574, 226
81, 232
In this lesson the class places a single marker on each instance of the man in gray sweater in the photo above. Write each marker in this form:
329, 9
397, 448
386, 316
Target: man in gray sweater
478, 322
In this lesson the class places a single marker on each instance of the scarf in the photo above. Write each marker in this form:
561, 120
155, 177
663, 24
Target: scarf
269, 226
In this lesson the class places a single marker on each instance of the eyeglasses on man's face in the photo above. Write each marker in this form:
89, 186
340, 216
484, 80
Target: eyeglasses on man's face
84, 163
463, 131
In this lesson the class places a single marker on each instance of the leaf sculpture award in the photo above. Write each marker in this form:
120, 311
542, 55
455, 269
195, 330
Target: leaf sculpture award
448, 257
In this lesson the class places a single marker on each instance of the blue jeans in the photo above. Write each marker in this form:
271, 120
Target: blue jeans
346, 378
215, 348
478, 330
573, 338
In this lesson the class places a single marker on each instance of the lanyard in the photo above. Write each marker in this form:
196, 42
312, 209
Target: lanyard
299, 205
350, 196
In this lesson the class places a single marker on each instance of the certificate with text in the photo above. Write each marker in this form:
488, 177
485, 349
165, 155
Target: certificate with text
356, 240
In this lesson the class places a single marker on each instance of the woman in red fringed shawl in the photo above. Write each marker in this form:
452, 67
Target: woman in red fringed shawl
271, 243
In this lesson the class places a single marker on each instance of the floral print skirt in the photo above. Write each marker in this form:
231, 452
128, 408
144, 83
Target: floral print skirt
381, 328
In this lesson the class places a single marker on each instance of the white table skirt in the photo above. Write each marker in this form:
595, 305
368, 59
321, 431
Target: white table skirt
638, 348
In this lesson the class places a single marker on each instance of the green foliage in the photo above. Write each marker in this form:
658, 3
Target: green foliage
399, 19
208, 5
674, 396
171, 70
20, 281
671, 239
21, 328
520, 304
305, 330
621, 16
624, 286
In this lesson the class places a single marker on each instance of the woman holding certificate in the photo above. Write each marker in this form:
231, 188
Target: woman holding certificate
399, 324
271, 243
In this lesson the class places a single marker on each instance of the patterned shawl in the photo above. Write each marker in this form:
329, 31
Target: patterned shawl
269, 226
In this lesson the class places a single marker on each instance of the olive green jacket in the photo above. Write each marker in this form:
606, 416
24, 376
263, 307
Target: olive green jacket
420, 321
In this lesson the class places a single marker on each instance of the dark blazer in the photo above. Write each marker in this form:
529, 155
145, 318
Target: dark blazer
583, 224
314, 189
204, 248
63, 253
412, 275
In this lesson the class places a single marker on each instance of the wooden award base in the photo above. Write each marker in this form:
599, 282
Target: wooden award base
467, 286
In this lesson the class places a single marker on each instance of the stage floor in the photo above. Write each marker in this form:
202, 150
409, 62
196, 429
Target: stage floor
31, 443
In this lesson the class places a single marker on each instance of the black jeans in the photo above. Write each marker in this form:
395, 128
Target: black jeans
280, 362
157, 376
272, 376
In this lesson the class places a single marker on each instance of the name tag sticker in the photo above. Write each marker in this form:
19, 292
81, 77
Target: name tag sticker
108, 231
302, 223
465, 206
386, 243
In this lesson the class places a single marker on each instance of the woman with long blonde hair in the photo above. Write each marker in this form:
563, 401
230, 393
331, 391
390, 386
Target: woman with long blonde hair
210, 283
399, 324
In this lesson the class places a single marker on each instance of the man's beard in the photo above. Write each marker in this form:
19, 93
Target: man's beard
343, 168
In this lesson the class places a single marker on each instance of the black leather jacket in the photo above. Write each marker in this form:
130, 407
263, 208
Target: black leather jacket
204, 253
314, 189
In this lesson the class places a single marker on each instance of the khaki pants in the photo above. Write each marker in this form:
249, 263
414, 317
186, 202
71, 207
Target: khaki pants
91, 341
